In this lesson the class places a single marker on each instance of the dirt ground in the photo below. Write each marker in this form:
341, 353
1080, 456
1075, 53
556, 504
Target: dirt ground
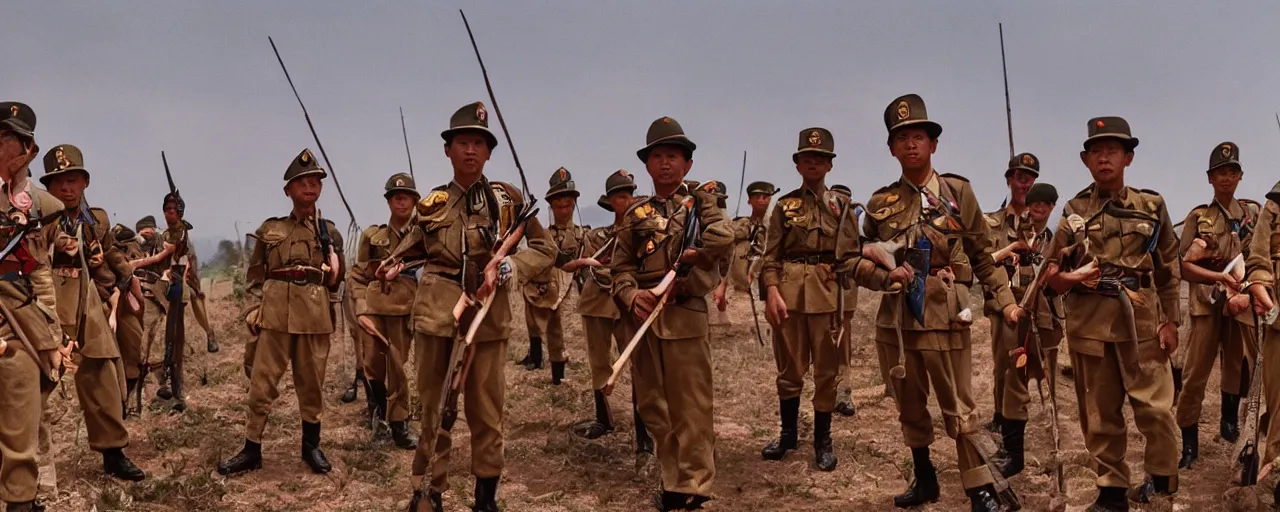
550, 469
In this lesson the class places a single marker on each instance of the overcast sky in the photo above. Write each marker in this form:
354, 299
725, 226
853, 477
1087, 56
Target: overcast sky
580, 81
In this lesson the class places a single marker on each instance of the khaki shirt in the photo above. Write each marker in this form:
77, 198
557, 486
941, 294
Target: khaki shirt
596, 299
373, 296
1007, 227
648, 246
38, 320
290, 307
543, 290
961, 241
809, 234
748, 238
457, 224
1264, 250
1223, 227
1135, 234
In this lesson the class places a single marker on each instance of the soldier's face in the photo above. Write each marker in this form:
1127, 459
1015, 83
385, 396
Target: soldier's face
1225, 180
913, 148
562, 207
759, 202
69, 187
813, 166
401, 204
1020, 183
1106, 160
667, 166
11, 148
171, 216
1040, 211
620, 201
304, 191
468, 152
147, 233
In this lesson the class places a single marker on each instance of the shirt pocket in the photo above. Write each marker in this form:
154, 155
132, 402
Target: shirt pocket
1135, 239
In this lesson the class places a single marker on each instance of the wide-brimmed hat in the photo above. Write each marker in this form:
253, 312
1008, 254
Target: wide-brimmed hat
665, 130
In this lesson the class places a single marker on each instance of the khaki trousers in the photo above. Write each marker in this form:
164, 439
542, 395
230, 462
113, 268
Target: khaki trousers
602, 335
1149, 390
950, 374
1211, 334
276, 351
1271, 393
22, 401
101, 400
805, 339
672, 380
130, 336
1012, 396
201, 313
545, 324
846, 358
482, 400
378, 363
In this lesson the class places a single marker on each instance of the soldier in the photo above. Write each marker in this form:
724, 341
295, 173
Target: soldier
748, 236
1042, 201
31, 332
148, 270
601, 318
1121, 275
1221, 229
671, 365
844, 391
86, 265
296, 264
383, 310
542, 292
457, 228
1260, 288
129, 315
180, 260
938, 219
811, 231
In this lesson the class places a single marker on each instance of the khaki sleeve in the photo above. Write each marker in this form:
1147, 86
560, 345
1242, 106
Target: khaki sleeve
771, 261
717, 233
847, 242
1188, 232
866, 273
1258, 265
540, 253
1168, 270
977, 245
256, 274
362, 273
624, 265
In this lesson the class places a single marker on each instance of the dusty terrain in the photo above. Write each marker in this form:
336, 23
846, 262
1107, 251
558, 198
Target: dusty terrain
548, 468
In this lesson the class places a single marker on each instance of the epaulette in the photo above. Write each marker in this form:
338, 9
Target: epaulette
1199, 207
372, 230
885, 188
1084, 192
991, 220
954, 176
512, 192
793, 193
441, 187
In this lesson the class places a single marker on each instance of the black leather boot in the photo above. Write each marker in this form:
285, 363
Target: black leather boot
674, 501
402, 437
179, 392
1156, 486
924, 487
349, 395
212, 342
1177, 384
486, 495
644, 443
116, 464
1230, 425
1013, 432
557, 372
435, 499
1190, 446
533, 360
845, 408
602, 424
249, 458
1110, 499
996, 422
22, 506
789, 410
311, 453
983, 499
824, 455
376, 410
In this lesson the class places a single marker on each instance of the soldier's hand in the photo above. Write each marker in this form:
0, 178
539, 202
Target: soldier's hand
902, 274
252, 321
1237, 304
688, 256
579, 264
722, 301
643, 304
775, 309
1229, 281
387, 272
1013, 314
366, 323
4, 346
1262, 302
1168, 334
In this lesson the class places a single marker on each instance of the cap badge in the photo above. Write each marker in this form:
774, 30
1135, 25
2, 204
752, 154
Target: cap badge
904, 110
564, 174
1100, 124
624, 173
815, 139
666, 119
14, 109
305, 158
1028, 160
399, 182
63, 162
1226, 151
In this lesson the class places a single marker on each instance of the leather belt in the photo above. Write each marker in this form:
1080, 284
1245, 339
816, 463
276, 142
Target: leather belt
811, 259
71, 272
1113, 278
146, 276
298, 275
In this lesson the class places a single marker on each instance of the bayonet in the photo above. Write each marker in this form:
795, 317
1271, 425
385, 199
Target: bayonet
407, 153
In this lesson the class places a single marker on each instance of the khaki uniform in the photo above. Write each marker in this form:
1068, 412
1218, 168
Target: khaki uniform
543, 291
295, 315
153, 310
447, 216
740, 265
1212, 332
1011, 394
129, 321
1139, 248
389, 304
26, 383
600, 316
100, 377
671, 365
1263, 255
938, 351
810, 233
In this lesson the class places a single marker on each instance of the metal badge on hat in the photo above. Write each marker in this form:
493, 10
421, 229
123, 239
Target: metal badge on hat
61, 157
399, 182
305, 158
1226, 151
815, 139
14, 109
904, 110
1028, 160
564, 175
481, 114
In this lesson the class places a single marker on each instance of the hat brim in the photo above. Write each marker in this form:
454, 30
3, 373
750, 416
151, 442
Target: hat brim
603, 202
489, 137
1022, 168
49, 175
1128, 142
398, 190
933, 129
311, 172
1228, 163
552, 195
22, 129
674, 140
630, 188
796, 156
759, 192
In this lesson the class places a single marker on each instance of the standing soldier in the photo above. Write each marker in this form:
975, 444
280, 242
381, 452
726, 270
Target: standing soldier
31, 332
671, 365
1260, 283
601, 320
748, 243
811, 232
936, 217
296, 264
129, 313
542, 293
1221, 230
177, 276
149, 270
457, 228
86, 265
844, 389
1121, 275
383, 309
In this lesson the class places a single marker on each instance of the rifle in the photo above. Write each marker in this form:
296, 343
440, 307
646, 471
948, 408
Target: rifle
688, 239
742, 182
1248, 460
407, 153
1008, 110
752, 257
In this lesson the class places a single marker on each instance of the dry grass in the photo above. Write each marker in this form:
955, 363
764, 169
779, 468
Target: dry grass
549, 469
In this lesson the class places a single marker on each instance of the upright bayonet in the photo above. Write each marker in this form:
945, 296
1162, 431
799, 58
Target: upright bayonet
407, 153
1008, 109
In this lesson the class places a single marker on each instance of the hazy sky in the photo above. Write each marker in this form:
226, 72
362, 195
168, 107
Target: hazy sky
580, 81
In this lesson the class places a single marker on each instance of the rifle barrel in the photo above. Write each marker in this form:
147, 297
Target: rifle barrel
1008, 110
407, 153
524, 183
742, 182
